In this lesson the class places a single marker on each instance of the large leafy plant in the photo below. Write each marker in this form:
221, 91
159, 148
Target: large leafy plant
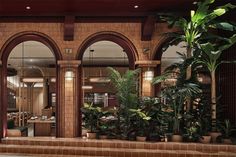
126, 86
195, 29
175, 97
210, 58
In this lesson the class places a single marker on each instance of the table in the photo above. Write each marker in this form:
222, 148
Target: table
42, 127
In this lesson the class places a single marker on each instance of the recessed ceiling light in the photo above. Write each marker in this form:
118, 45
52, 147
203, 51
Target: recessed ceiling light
136, 6
28, 7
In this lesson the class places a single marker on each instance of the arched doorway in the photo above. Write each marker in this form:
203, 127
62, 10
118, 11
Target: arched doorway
6, 50
124, 58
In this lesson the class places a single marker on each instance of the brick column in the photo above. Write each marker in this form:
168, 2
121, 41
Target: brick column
146, 87
68, 100
2, 132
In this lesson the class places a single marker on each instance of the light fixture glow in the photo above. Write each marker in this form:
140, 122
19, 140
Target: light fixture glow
32, 79
148, 75
87, 87
69, 75
28, 7
99, 80
53, 79
136, 6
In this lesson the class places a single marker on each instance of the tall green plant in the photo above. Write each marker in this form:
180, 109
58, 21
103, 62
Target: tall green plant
176, 96
211, 59
127, 94
195, 28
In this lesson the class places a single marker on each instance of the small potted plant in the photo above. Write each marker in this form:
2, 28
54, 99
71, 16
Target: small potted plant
227, 130
192, 132
204, 132
106, 125
91, 116
140, 122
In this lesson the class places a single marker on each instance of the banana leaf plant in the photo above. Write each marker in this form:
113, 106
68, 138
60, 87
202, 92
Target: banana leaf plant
195, 28
176, 96
210, 58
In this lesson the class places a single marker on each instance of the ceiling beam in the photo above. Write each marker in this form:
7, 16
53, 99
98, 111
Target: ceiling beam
148, 27
69, 26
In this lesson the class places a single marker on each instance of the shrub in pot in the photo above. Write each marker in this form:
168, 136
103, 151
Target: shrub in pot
176, 96
158, 123
140, 121
91, 115
227, 130
106, 125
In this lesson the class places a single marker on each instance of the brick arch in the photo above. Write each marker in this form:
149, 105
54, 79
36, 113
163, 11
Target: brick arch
115, 37
157, 55
5, 51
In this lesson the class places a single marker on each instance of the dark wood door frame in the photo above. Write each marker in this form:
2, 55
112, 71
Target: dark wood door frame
115, 37
5, 52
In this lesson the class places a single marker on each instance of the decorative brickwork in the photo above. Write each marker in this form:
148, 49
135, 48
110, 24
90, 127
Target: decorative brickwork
68, 103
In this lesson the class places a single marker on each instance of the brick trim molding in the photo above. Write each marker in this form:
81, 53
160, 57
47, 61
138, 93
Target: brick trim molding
69, 63
147, 63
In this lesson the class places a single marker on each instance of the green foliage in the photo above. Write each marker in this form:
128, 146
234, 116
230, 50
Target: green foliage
211, 52
195, 28
91, 116
106, 124
227, 129
140, 121
127, 93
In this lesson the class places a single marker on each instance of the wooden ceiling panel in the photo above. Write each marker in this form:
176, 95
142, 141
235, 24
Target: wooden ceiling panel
89, 7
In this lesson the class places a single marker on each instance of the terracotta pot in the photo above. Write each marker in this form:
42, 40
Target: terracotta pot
176, 138
214, 136
91, 135
205, 139
141, 138
227, 141
103, 137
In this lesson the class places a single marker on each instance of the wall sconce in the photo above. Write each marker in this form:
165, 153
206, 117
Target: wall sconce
148, 75
69, 75
87, 87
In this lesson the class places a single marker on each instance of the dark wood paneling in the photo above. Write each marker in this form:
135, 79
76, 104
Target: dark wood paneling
227, 85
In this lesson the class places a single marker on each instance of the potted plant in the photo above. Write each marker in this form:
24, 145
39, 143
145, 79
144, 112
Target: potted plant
158, 123
126, 87
140, 122
91, 116
227, 130
194, 28
192, 132
106, 124
204, 127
